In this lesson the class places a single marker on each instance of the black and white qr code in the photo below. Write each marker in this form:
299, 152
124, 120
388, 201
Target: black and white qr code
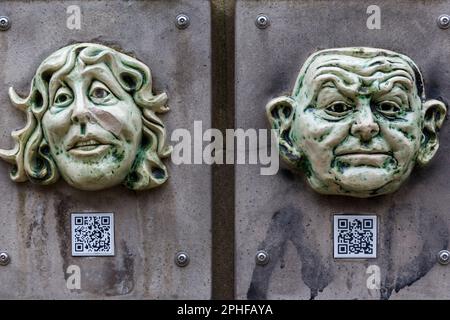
92, 234
355, 236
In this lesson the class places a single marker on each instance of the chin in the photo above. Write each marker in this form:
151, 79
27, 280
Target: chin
360, 182
363, 179
93, 185
94, 180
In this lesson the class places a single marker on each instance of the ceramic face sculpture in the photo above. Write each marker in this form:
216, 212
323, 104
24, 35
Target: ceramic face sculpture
357, 121
91, 118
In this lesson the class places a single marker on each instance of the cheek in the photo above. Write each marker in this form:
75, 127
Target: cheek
135, 119
127, 116
403, 139
55, 126
320, 136
133, 124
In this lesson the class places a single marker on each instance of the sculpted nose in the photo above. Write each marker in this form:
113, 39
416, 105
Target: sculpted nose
365, 127
81, 113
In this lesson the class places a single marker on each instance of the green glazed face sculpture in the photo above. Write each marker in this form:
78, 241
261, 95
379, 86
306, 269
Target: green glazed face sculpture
91, 118
357, 121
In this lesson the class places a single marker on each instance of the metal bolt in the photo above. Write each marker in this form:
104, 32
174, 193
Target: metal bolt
182, 21
4, 259
444, 257
262, 258
182, 259
444, 21
262, 21
5, 24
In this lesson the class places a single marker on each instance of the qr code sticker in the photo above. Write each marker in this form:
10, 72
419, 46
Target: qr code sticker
92, 234
355, 236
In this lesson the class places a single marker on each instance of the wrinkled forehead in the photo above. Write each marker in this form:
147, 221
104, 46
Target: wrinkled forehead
360, 74
79, 72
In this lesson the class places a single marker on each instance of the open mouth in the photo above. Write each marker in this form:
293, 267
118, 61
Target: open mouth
88, 147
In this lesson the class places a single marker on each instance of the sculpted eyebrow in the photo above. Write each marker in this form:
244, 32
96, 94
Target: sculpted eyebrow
347, 88
404, 83
56, 84
103, 76
401, 94
331, 85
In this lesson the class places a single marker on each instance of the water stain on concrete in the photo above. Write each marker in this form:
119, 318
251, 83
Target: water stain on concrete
62, 206
317, 271
121, 273
287, 225
431, 238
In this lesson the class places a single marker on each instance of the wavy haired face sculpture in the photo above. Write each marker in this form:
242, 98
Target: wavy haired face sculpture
357, 121
91, 118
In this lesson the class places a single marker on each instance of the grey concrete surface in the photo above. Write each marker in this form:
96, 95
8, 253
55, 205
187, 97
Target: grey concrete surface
282, 214
151, 226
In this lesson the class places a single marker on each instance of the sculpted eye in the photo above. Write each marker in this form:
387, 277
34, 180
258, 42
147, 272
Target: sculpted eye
63, 97
338, 109
388, 108
100, 94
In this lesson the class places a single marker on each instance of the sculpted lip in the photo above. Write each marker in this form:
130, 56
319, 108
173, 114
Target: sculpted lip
87, 145
366, 152
364, 158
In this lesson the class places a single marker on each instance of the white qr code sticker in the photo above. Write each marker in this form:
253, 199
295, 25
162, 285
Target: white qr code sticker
355, 236
92, 234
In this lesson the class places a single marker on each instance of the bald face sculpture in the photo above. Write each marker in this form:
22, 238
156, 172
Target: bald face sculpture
357, 121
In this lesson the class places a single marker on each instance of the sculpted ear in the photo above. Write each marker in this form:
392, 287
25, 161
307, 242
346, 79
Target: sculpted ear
433, 112
280, 112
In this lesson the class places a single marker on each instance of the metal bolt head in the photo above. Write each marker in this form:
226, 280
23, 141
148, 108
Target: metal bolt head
262, 258
182, 21
444, 257
5, 24
182, 259
444, 21
4, 259
262, 21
